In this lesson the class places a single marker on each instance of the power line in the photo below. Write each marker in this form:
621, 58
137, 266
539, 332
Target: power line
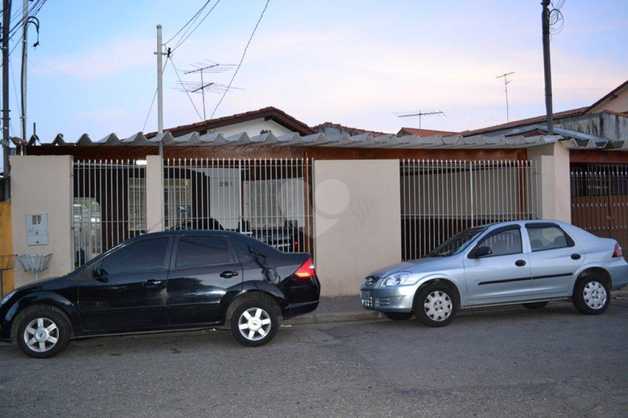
235, 73
189, 33
186, 92
194, 16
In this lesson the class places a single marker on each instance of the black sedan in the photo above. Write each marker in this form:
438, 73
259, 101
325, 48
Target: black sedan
165, 281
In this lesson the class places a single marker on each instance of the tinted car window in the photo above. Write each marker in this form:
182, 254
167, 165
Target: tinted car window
503, 243
548, 237
202, 251
140, 256
248, 248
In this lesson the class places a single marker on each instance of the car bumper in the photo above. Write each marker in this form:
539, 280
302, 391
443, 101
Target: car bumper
619, 275
391, 299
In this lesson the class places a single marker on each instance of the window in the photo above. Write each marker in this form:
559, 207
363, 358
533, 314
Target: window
247, 249
202, 251
504, 242
141, 256
548, 237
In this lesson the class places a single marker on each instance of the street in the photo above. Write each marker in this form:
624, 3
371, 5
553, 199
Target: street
502, 362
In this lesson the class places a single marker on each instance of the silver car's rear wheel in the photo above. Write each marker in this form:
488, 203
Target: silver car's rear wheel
594, 295
438, 305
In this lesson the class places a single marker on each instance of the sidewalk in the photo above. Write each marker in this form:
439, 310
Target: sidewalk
349, 308
335, 309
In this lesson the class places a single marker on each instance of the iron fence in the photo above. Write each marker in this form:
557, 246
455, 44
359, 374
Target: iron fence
441, 198
109, 205
599, 200
268, 199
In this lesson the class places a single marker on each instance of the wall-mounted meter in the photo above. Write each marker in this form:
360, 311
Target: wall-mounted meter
37, 229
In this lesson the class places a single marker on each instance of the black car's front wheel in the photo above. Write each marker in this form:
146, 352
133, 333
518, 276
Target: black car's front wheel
42, 331
255, 320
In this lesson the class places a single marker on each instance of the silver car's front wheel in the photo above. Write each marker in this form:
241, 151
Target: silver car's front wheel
436, 304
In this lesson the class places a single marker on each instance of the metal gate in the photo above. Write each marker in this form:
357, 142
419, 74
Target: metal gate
441, 198
109, 205
268, 199
599, 200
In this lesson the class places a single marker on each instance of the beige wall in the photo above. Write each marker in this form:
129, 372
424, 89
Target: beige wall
617, 104
357, 221
43, 184
553, 164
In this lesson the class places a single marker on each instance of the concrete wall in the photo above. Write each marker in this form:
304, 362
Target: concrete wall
554, 180
6, 246
154, 194
357, 221
42, 184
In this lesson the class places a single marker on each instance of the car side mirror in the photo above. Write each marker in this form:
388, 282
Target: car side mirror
479, 252
100, 274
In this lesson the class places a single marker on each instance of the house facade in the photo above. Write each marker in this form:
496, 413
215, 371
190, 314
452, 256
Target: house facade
355, 199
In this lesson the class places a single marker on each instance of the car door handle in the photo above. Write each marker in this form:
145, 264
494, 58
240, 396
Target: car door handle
153, 283
520, 263
229, 274
575, 256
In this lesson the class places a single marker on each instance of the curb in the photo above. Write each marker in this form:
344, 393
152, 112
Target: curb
325, 318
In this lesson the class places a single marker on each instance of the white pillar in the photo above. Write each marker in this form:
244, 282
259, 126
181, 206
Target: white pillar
357, 221
42, 185
154, 194
555, 187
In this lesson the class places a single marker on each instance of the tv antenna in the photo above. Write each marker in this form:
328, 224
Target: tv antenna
419, 114
506, 82
203, 68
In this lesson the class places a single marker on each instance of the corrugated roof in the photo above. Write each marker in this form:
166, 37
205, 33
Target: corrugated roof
524, 138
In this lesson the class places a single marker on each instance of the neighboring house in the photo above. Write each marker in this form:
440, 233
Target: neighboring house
424, 132
256, 122
607, 119
330, 128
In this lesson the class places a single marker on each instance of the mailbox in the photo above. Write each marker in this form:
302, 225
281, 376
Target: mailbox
37, 229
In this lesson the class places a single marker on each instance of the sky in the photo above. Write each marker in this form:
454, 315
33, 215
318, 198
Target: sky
358, 63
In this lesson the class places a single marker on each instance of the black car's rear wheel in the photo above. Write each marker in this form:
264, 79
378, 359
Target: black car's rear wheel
255, 320
42, 331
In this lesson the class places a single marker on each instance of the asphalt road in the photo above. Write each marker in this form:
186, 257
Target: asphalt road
499, 363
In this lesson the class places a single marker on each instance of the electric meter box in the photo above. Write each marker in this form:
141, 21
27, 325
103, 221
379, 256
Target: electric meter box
37, 229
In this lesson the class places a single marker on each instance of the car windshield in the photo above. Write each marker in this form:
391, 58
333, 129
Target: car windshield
457, 243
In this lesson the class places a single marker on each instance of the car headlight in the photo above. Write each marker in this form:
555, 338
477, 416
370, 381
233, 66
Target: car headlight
7, 297
400, 279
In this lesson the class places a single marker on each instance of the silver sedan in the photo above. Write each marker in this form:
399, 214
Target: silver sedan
524, 262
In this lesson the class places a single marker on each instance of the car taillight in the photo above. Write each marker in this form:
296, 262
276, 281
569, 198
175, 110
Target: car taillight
618, 252
306, 270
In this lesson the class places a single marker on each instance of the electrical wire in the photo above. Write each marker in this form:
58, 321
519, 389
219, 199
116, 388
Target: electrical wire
186, 92
235, 73
191, 31
194, 16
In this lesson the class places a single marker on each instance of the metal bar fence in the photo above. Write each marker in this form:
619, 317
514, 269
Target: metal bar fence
599, 200
109, 205
440, 198
268, 199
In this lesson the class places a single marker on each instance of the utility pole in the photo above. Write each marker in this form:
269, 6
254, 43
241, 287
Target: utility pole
24, 75
420, 115
506, 82
160, 117
547, 66
6, 22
